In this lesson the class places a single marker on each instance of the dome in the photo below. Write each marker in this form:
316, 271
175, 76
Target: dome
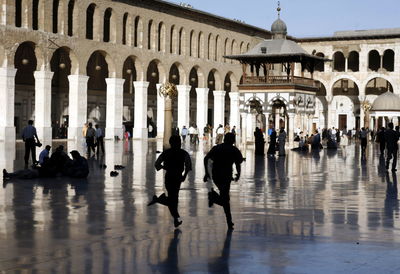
279, 27
387, 101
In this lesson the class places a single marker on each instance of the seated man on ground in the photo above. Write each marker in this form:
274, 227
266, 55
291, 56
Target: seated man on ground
44, 155
78, 167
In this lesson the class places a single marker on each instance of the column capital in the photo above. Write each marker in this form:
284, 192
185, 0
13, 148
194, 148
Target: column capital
219, 93
291, 114
183, 87
202, 91
78, 77
141, 84
8, 72
118, 81
234, 95
43, 74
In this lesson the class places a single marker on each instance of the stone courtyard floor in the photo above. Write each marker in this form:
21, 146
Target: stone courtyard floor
327, 212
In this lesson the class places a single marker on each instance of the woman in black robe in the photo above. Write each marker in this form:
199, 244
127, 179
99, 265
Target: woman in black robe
272, 143
259, 141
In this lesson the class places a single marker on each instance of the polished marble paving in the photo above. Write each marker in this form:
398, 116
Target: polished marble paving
327, 212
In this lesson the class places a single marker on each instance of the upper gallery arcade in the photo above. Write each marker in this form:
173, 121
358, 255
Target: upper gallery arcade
66, 61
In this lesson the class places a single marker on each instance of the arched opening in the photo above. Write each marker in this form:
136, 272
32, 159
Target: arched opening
200, 47
353, 61
71, 5
217, 48
18, 13
124, 24
227, 88
106, 25
55, 15
233, 50
194, 83
278, 117
210, 45
322, 90
25, 62
320, 65
374, 60
150, 35
181, 44
89, 21
129, 74
35, 14
173, 41
345, 87
377, 86
97, 70
226, 48
174, 78
61, 67
138, 32
153, 77
191, 44
388, 60
211, 87
338, 61
161, 37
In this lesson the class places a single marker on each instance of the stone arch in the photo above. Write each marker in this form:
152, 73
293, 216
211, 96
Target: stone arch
200, 45
199, 80
242, 48
90, 20
192, 43
234, 49
108, 60
336, 79
388, 60
210, 46
151, 35
227, 48
129, 74
125, 28
161, 37
182, 41
374, 60
35, 14
55, 19
345, 87
377, 86
73, 18
181, 73
73, 65
160, 70
338, 61
217, 51
320, 66
138, 32
353, 62
173, 45
109, 26
215, 80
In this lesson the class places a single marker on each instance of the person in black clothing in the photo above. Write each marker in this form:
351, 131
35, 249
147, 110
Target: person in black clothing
380, 137
78, 167
259, 141
175, 161
223, 156
391, 138
90, 135
272, 143
30, 138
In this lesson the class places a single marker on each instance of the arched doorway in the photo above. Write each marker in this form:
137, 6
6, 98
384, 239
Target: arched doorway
61, 67
129, 75
25, 62
97, 70
346, 105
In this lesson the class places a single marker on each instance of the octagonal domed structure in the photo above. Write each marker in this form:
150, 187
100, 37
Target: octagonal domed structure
387, 101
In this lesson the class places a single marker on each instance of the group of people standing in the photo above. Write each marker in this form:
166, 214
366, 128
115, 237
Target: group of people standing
388, 140
94, 137
193, 133
276, 142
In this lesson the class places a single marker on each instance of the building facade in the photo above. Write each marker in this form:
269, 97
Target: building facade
66, 62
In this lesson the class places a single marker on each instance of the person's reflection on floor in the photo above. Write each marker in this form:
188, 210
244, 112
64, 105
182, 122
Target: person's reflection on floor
221, 263
259, 173
272, 171
171, 263
381, 166
391, 201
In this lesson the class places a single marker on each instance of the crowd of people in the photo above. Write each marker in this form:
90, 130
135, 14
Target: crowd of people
208, 133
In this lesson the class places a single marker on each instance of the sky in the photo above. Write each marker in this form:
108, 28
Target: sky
308, 18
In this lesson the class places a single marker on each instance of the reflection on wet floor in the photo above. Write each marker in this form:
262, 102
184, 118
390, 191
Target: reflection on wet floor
304, 213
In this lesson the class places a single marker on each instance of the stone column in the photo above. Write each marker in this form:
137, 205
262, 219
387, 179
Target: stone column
249, 127
234, 119
243, 116
140, 122
115, 106
202, 108
219, 107
310, 124
329, 118
43, 105
7, 92
183, 106
77, 109
160, 112
291, 128
167, 122
277, 118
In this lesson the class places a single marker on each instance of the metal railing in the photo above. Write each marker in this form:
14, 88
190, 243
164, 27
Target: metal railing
281, 80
